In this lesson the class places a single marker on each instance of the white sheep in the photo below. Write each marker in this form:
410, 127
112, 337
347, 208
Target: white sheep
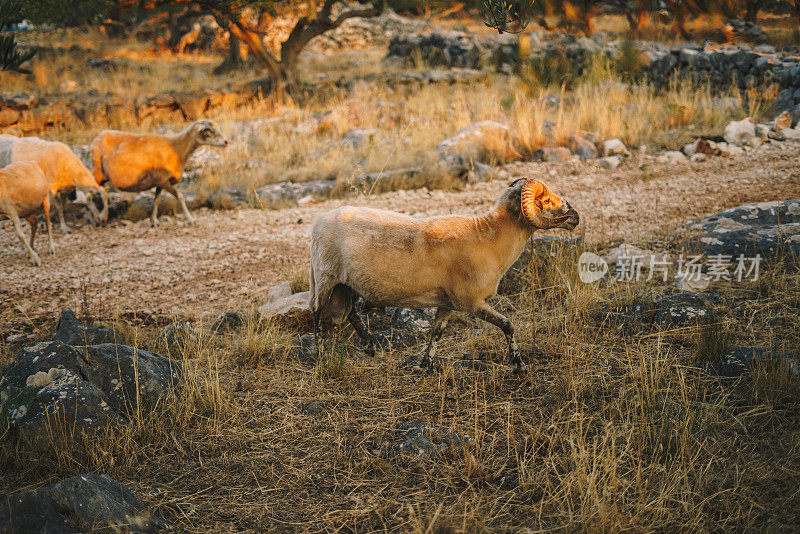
133, 162
24, 190
451, 263
62, 168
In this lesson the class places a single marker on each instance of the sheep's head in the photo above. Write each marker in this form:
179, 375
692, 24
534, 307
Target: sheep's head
209, 133
534, 202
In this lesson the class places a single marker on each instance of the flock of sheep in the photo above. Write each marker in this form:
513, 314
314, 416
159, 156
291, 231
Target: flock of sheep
34, 172
451, 263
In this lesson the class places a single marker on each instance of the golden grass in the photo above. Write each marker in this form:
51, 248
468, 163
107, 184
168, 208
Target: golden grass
610, 432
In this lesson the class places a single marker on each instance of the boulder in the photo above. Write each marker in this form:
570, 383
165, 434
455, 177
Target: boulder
227, 323
228, 198
280, 291
791, 134
614, 147
782, 121
769, 229
71, 331
293, 309
54, 389
610, 162
554, 153
742, 361
583, 147
438, 48
84, 503
692, 282
177, 336
275, 196
657, 311
739, 133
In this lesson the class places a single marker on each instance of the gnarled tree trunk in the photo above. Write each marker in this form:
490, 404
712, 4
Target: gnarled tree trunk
282, 70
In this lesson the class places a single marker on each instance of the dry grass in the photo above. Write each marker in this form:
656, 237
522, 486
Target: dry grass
611, 432
301, 141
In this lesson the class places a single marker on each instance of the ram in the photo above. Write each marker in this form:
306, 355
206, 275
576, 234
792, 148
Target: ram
24, 190
133, 162
450, 263
64, 171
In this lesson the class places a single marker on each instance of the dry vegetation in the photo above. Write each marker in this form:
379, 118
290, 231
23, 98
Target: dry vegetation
610, 432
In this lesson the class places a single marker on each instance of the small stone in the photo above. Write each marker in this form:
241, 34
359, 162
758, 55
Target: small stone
614, 147
740, 132
610, 162
782, 121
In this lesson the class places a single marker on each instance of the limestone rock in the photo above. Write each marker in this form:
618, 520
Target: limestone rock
739, 133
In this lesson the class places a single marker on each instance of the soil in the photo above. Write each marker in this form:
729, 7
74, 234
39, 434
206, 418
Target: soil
230, 258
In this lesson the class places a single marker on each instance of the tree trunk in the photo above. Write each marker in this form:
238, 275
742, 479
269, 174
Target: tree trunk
233, 61
588, 24
283, 71
751, 13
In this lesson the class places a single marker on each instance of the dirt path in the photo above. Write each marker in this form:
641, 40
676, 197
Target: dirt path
230, 259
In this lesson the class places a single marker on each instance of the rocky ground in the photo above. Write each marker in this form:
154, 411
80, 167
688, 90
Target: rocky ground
230, 258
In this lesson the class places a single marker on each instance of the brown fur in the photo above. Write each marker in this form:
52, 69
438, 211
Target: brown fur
62, 168
134, 162
24, 191
453, 263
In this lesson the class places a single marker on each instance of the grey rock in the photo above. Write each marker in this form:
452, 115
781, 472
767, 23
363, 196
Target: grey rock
227, 323
71, 331
553, 154
84, 503
422, 440
312, 408
275, 196
177, 336
674, 311
583, 147
742, 361
358, 137
448, 49
228, 198
52, 387
771, 229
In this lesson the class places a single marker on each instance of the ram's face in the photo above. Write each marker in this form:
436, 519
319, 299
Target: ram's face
208, 133
544, 209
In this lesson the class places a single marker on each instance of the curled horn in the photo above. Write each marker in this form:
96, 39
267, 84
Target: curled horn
531, 191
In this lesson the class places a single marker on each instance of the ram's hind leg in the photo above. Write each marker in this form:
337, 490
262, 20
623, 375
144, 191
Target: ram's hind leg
361, 330
60, 200
485, 312
437, 329
18, 229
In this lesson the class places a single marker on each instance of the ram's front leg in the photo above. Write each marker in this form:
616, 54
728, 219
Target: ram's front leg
485, 312
437, 329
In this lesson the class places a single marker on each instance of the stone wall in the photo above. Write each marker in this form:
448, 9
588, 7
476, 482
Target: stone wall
721, 66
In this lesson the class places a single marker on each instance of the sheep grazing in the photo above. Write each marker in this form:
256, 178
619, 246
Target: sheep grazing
62, 168
24, 190
133, 162
451, 263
